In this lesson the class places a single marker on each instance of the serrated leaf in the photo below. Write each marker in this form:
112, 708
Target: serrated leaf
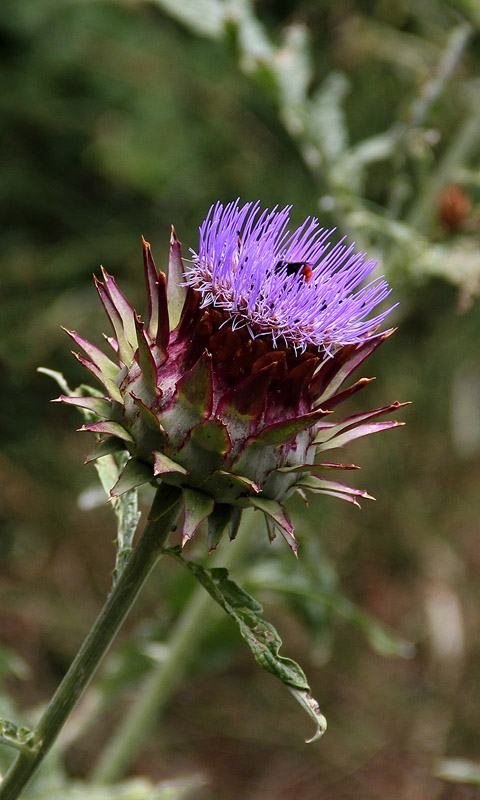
261, 637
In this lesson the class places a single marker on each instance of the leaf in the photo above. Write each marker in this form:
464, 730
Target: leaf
313, 710
11, 735
57, 377
261, 637
327, 120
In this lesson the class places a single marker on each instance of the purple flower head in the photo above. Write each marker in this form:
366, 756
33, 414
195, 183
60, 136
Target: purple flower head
293, 286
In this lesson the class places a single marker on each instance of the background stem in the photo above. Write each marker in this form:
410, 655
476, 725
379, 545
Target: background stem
98, 641
159, 685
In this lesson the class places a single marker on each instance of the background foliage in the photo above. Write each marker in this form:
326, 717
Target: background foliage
120, 118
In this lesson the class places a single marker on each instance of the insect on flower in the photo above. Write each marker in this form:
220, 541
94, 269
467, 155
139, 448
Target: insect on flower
228, 388
296, 268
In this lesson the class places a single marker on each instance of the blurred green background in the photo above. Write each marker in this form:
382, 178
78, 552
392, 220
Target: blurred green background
121, 118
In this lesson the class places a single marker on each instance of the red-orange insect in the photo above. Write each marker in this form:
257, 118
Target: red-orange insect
296, 268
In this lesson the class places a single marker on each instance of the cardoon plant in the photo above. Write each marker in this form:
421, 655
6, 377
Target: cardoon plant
233, 402
224, 397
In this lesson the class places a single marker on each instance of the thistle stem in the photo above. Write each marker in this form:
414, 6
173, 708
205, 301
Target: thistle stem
166, 674
98, 641
463, 145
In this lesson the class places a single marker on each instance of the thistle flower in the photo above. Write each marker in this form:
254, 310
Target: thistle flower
227, 389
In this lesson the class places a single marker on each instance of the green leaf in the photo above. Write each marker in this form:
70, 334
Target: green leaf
327, 120
19, 738
261, 637
58, 377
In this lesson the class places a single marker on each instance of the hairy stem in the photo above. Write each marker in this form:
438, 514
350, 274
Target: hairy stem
98, 641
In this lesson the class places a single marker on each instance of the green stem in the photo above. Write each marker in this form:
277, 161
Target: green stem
166, 674
455, 47
98, 641
463, 145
